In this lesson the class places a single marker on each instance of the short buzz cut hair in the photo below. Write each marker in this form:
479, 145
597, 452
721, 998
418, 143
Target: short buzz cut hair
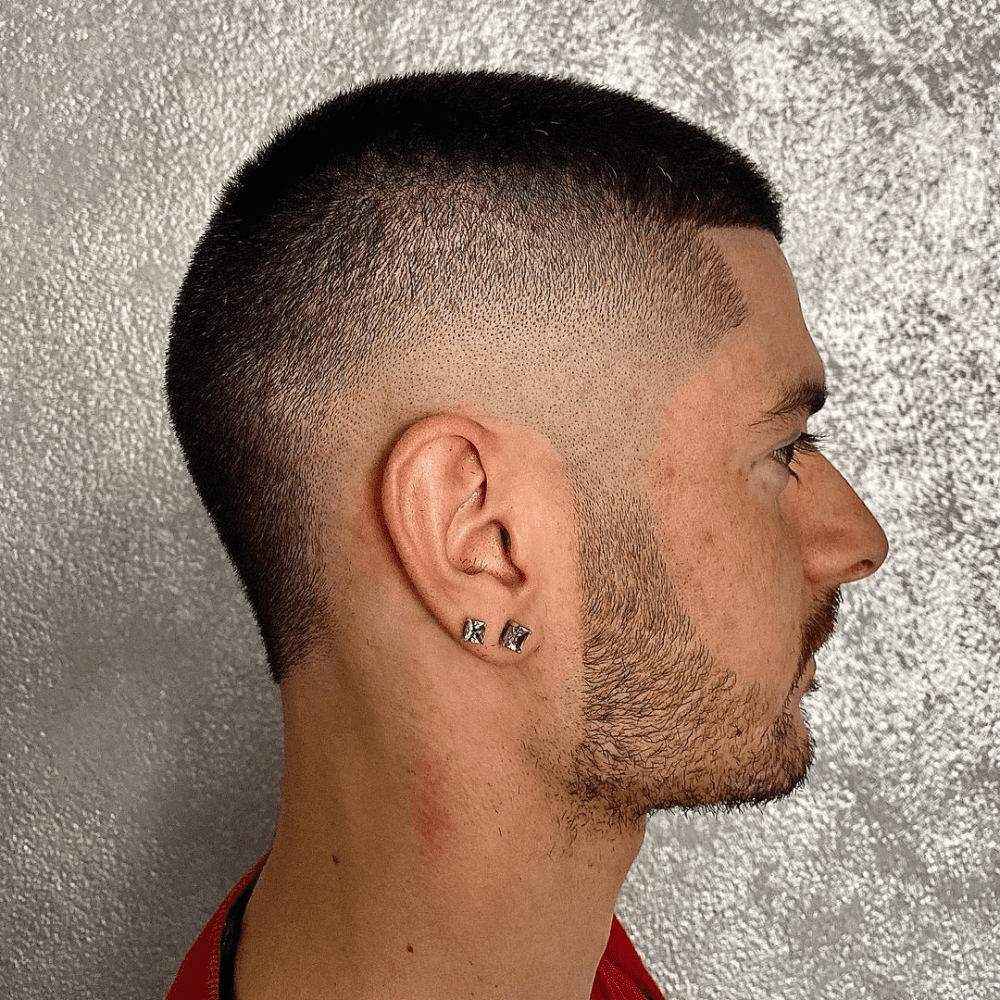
372, 209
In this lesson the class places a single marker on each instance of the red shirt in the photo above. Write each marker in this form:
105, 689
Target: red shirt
620, 974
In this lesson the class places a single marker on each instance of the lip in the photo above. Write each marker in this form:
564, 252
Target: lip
807, 676
810, 674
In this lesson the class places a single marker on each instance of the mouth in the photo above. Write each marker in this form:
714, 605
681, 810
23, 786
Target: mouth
807, 676
818, 628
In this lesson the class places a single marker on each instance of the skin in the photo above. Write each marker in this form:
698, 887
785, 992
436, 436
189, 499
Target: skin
457, 819
743, 549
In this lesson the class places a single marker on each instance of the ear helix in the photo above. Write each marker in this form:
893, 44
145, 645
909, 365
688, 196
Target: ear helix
512, 635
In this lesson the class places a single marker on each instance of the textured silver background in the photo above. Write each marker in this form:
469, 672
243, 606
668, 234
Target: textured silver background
138, 732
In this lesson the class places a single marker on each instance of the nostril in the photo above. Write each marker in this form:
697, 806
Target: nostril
863, 568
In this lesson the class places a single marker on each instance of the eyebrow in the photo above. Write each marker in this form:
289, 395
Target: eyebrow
804, 397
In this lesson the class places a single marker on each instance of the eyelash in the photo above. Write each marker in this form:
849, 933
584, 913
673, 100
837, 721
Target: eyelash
804, 444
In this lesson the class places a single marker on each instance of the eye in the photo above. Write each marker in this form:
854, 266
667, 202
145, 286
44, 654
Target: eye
805, 443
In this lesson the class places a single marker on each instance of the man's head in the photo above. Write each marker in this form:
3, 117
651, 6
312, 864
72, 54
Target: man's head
498, 323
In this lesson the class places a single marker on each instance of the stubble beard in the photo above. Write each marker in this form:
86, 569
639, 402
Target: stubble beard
663, 724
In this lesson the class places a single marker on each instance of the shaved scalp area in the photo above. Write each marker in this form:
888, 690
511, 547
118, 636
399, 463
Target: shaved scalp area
529, 245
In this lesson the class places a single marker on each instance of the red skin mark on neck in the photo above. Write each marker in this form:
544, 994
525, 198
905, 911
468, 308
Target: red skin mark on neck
431, 819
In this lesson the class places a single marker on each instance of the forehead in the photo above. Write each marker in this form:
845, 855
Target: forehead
770, 354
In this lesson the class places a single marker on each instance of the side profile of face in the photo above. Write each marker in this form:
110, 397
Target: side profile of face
708, 591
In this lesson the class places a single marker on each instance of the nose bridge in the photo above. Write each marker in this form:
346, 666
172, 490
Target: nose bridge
841, 539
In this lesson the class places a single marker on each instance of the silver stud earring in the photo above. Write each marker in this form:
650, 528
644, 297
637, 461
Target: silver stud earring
513, 636
474, 631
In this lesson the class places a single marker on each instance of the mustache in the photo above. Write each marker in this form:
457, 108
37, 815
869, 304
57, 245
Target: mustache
820, 624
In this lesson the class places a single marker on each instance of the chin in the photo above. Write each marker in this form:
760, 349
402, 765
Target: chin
778, 766
755, 772
758, 771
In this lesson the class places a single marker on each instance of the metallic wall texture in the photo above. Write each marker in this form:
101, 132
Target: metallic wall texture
139, 734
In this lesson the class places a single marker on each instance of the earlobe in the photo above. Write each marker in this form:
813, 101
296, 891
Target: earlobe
445, 515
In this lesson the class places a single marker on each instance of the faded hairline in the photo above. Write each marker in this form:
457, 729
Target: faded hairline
353, 248
419, 342
527, 348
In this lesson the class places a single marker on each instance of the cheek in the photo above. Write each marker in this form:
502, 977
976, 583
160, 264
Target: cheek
738, 569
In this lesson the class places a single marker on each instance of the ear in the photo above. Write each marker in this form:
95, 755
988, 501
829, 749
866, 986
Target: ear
454, 528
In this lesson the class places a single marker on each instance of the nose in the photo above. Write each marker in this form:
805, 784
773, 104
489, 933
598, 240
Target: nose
841, 540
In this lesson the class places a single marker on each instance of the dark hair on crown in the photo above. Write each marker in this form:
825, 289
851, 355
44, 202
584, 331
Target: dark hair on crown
355, 202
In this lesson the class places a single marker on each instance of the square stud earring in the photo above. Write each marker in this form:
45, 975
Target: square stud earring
474, 631
513, 636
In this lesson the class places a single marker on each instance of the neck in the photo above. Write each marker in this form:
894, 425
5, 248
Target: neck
425, 867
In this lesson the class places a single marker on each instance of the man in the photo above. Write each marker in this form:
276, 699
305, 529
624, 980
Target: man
496, 389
